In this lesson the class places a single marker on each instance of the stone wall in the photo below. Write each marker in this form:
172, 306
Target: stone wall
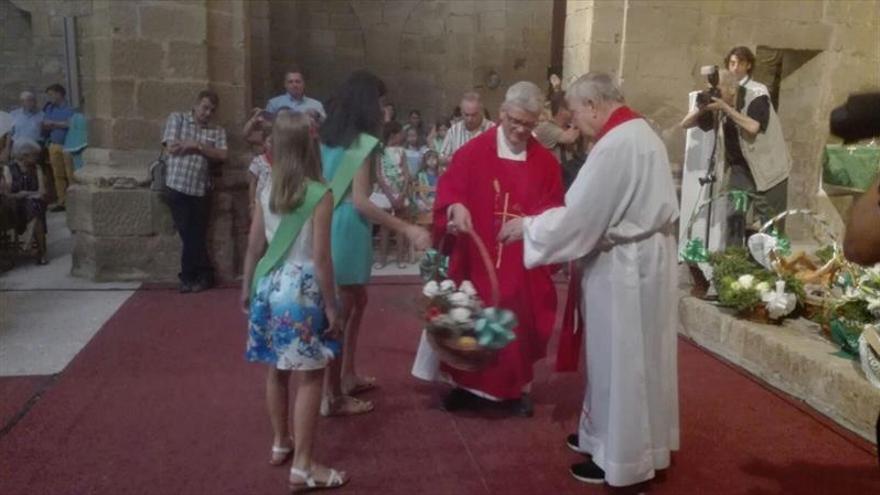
31, 48
141, 61
657, 48
427, 51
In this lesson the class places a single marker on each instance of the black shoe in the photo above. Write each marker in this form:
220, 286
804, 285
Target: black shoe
587, 472
524, 407
185, 288
204, 282
458, 399
573, 443
57, 208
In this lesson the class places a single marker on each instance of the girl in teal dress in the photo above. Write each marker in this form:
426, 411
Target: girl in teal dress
348, 153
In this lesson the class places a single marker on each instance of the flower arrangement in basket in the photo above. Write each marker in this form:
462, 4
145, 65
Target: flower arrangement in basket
695, 252
857, 307
465, 334
753, 292
816, 271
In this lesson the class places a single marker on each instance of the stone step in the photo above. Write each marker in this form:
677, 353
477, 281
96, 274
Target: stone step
795, 358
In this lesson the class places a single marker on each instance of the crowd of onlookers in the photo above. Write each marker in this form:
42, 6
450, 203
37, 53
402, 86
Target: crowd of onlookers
414, 153
39, 149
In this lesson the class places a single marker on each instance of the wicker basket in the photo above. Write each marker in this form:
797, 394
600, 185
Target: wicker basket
448, 347
701, 283
817, 281
759, 314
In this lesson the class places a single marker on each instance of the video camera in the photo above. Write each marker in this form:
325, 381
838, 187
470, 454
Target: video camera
705, 97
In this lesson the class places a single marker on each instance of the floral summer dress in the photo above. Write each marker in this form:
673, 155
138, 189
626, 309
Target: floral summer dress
287, 322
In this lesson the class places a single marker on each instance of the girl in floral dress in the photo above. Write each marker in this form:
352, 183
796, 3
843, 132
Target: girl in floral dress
292, 308
394, 181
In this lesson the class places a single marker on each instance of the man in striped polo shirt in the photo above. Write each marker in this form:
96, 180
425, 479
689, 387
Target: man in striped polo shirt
470, 126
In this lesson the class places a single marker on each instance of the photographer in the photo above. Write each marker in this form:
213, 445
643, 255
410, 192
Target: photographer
751, 145
740, 61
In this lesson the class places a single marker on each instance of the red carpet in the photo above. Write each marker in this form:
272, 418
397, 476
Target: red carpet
161, 402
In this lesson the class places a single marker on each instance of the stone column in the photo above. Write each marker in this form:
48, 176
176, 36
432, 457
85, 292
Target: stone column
141, 61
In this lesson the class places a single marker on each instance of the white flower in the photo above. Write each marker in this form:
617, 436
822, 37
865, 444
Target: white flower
779, 303
460, 315
431, 289
459, 299
468, 288
735, 286
746, 281
873, 305
762, 287
447, 286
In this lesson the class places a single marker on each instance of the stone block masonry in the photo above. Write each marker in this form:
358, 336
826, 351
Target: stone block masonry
794, 358
31, 50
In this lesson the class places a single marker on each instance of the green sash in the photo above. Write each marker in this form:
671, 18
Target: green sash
288, 231
350, 162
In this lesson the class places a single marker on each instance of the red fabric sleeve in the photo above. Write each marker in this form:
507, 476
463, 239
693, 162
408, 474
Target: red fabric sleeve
451, 189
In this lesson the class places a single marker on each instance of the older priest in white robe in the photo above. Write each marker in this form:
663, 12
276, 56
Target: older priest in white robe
618, 221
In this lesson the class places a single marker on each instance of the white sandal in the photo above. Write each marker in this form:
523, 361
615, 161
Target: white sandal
335, 480
280, 454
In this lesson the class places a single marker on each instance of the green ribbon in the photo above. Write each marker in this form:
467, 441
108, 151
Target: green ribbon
695, 251
494, 328
740, 200
783, 244
846, 335
433, 265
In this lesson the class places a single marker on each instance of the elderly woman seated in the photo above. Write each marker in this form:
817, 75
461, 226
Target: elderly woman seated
23, 192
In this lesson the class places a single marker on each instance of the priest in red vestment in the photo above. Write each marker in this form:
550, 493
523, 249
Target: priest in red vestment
503, 173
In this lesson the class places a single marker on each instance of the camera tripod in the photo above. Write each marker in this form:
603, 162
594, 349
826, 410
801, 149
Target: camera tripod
708, 180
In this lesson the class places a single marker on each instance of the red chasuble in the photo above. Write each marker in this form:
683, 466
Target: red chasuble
486, 184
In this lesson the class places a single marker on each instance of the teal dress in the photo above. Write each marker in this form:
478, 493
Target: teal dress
352, 234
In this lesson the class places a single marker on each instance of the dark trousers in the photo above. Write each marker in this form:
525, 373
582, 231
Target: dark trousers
775, 200
190, 214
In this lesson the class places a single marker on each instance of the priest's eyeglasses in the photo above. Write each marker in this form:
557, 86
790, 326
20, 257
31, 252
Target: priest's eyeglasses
526, 126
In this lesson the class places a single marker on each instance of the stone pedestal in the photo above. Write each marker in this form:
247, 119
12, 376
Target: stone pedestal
795, 358
122, 234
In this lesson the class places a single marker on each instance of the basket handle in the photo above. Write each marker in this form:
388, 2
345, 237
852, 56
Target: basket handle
487, 262
837, 258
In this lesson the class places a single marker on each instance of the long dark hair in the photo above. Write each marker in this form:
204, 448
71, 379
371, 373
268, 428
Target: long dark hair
295, 158
353, 109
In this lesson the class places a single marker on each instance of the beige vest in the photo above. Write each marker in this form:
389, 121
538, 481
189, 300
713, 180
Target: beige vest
766, 153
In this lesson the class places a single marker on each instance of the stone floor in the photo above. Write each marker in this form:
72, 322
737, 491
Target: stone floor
47, 315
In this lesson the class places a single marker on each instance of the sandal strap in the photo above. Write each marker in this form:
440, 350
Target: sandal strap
281, 450
306, 476
335, 479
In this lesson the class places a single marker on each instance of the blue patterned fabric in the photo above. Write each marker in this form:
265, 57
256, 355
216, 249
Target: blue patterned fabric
287, 322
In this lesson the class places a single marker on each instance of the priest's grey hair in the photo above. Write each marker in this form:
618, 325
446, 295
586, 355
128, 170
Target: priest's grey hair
597, 87
24, 146
526, 96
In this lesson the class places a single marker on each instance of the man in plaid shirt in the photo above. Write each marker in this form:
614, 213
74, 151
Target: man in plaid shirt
193, 143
